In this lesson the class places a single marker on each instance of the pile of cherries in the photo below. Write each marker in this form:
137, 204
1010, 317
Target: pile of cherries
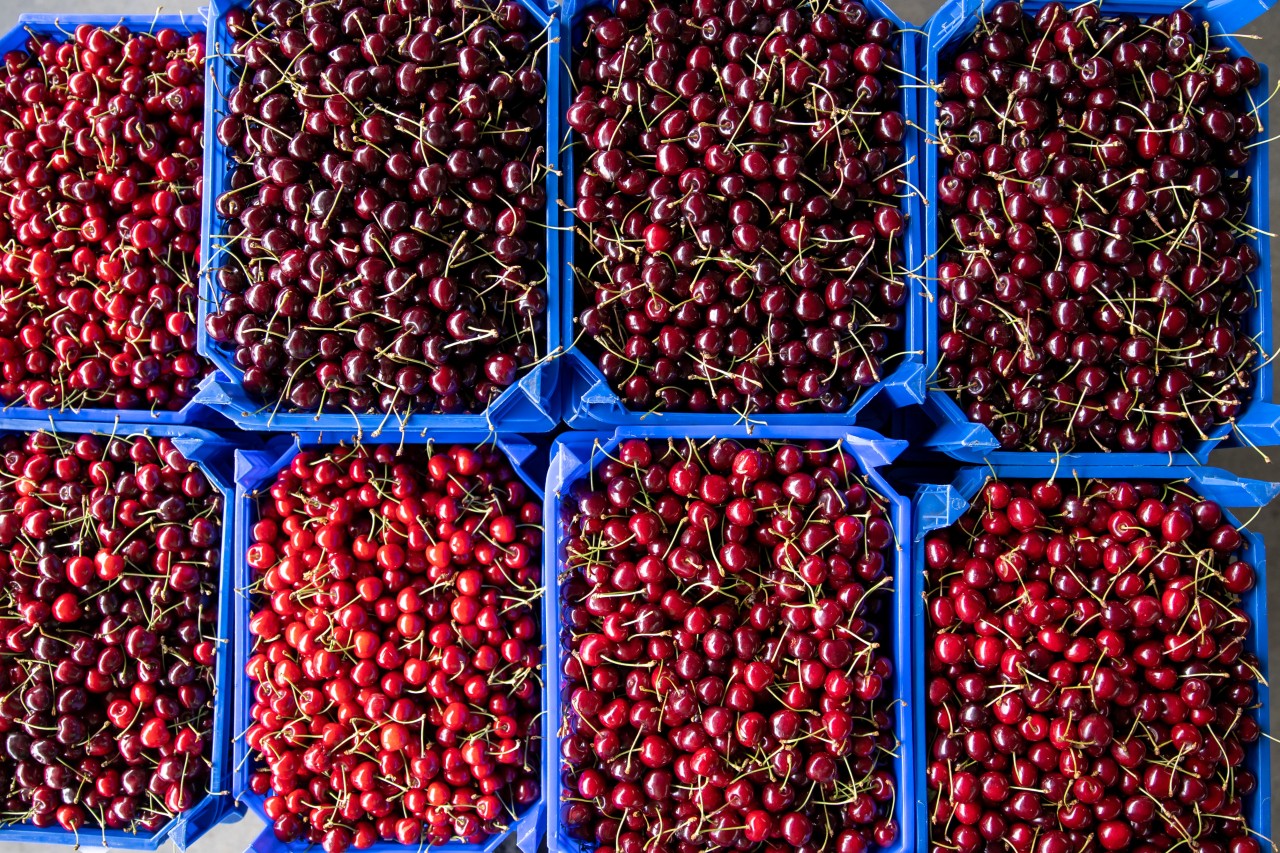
109, 571
101, 153
396, 662
1088, 685
1095, 263
727, 678
381, 243
738, 199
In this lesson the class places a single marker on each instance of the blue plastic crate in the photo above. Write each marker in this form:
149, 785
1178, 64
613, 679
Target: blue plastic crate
591, 403
1259, 424
936, 507
575, 454
63, 26
212, 455
257, 469
530, 405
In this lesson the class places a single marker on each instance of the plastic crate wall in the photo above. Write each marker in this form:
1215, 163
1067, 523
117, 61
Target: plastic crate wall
938, 506
575, 454
530, 405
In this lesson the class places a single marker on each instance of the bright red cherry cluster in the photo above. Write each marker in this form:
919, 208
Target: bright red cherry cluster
396, 660
110, 555
101, 152
738, 187
1096, 266
727, 677
383, 234
1088, 685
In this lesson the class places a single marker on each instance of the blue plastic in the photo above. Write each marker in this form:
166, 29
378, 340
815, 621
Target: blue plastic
938, 506
592, 404
527, 406
1259, 423
63, 26
212, 455
576, 453
257, 469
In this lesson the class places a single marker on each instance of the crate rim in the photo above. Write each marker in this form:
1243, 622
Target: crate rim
63, 25
594, 405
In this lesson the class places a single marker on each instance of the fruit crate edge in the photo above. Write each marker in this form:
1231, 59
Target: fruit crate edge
209, 452
574, 455
969, 442
255, 469
63, 26
530, 405
591, 404
935, 507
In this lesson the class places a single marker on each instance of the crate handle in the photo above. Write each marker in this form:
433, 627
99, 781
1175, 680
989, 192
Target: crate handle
907, 389
966, 440
253, 465
1259, 426
874, 451
1232, 491
936, 507
1234, 15
527, 397
210, 390
530, 828
600, 393
519, 449
571, 453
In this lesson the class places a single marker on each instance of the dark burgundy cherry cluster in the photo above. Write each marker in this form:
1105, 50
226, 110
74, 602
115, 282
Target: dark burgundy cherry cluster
727, 676
109, 570
383, 231
1095, 264
738, 202
1088, 684
396, 665
101, 151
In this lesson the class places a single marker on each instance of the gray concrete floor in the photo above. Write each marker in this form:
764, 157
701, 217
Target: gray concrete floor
237, 837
